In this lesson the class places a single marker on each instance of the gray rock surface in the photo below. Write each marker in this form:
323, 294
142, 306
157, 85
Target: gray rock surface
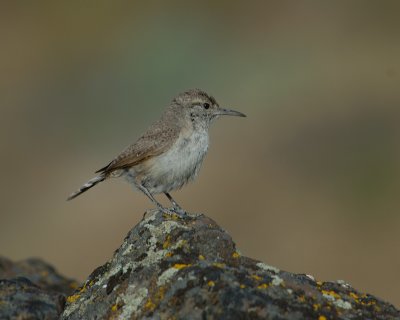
21, 299
32, 289
39, 273
189, 268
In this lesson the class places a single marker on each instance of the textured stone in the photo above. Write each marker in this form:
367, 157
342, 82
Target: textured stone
39, 273
189, 268
32, 289
21, 299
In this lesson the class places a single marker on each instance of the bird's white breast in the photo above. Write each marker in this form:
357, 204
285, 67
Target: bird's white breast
178, 165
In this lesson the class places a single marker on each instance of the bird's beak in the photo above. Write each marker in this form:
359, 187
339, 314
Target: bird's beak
228, 112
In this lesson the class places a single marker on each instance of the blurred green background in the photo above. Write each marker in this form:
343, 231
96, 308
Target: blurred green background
309, 182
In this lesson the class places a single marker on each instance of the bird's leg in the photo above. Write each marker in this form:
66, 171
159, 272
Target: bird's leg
176, 206
174, 203
150, 196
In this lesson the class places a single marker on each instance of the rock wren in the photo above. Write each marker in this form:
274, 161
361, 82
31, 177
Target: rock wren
169, 154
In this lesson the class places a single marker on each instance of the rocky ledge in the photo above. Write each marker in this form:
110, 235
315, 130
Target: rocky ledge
172, 267
32, 289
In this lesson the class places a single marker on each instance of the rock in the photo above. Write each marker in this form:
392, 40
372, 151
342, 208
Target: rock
21, 299
38, 272
32, 289
170, 267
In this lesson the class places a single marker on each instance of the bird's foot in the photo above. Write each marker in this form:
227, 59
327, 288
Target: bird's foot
175, 212
181, 213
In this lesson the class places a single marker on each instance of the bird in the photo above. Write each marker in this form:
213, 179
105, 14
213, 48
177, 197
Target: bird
170, 153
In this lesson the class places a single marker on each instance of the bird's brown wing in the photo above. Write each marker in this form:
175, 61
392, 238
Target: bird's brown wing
154, 142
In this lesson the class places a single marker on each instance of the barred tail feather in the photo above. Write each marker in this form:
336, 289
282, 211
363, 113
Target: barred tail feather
87, 186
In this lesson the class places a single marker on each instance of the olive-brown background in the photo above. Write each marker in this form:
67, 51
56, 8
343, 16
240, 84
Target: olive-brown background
309, 182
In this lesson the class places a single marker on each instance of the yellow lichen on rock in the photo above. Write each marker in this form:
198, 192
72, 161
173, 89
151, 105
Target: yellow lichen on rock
173, 216
263, 286
73, 298
149, 305
219, 265
355, 297
211, 283
167, 242
85, 286
331, 293
181, 265
256, 277
160, 294
114, 307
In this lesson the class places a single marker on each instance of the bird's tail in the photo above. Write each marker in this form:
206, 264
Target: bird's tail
87, 186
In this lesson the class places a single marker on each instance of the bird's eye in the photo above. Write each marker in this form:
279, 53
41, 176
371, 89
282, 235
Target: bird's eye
206, 105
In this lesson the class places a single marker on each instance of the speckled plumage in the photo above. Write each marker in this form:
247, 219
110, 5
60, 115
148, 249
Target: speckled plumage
170, 153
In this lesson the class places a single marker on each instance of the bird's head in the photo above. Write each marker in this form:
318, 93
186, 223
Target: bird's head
201, 107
